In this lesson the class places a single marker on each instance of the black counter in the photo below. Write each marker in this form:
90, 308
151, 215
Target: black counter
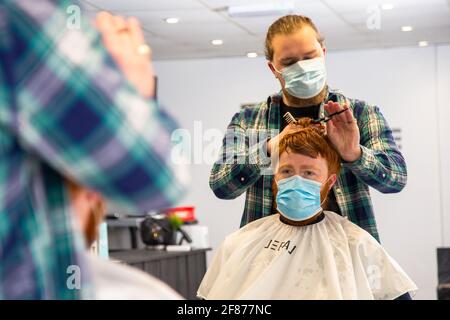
182, 270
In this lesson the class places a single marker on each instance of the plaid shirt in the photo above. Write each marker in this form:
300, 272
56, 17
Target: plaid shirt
66, 111
380, 166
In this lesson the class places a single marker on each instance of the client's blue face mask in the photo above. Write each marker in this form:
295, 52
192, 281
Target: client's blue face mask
298, 198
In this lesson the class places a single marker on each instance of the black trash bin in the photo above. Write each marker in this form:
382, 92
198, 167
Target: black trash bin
443, 258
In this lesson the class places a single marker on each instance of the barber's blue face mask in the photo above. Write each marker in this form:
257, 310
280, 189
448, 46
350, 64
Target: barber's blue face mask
306, 78
298, 198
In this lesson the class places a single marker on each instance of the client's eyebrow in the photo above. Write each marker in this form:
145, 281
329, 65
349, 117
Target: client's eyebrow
309, 166
285, 166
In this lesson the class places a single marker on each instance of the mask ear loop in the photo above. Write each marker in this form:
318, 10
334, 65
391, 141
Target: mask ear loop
323, 184
279, 72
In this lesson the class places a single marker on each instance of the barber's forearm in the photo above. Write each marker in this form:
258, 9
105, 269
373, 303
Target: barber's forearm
229, 181
383, 170
240, 166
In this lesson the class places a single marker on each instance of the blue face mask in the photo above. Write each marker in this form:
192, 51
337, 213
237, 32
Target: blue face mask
298, 198
306, 78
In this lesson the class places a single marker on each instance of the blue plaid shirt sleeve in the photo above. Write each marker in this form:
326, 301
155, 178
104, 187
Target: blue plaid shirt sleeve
381, 164
79, 114
67, 112
240, 163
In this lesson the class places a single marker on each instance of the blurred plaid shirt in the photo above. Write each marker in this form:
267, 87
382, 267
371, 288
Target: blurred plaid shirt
381, 165
67, 112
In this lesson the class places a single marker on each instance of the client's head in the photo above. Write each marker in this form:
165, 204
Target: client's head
306, 170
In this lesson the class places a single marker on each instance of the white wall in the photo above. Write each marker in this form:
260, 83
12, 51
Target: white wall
411, 87
403, 83
443, 116
211, 91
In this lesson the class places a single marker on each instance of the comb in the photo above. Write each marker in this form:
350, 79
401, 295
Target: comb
289, 118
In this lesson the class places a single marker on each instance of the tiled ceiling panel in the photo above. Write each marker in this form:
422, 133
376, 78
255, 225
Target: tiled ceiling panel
344, 23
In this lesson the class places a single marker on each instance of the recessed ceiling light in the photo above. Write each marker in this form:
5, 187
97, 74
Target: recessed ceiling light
387, 6
407, 28
252, 54
423, 43
217, 42
172, 20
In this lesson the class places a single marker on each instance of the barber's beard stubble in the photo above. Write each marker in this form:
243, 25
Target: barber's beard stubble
297, 102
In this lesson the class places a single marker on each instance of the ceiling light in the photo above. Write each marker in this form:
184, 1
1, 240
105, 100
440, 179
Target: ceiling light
423, 43
258, 10
407, 28
217, 42
252, 54
387, 6
172, 20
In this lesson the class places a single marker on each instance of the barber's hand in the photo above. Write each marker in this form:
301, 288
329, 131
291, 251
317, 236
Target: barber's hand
343, 132
124, 40
272, 145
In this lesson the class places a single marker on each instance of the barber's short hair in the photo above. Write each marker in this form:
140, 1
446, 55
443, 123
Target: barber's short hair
288, 25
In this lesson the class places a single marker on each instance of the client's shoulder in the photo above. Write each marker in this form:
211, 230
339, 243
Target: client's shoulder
253, 230
355, 234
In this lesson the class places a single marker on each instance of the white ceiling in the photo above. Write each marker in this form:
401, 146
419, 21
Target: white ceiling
342, 22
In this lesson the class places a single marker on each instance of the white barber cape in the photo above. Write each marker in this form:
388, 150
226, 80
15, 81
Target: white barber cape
116, 281
331, 259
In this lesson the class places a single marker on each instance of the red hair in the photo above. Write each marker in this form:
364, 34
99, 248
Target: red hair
310, 140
